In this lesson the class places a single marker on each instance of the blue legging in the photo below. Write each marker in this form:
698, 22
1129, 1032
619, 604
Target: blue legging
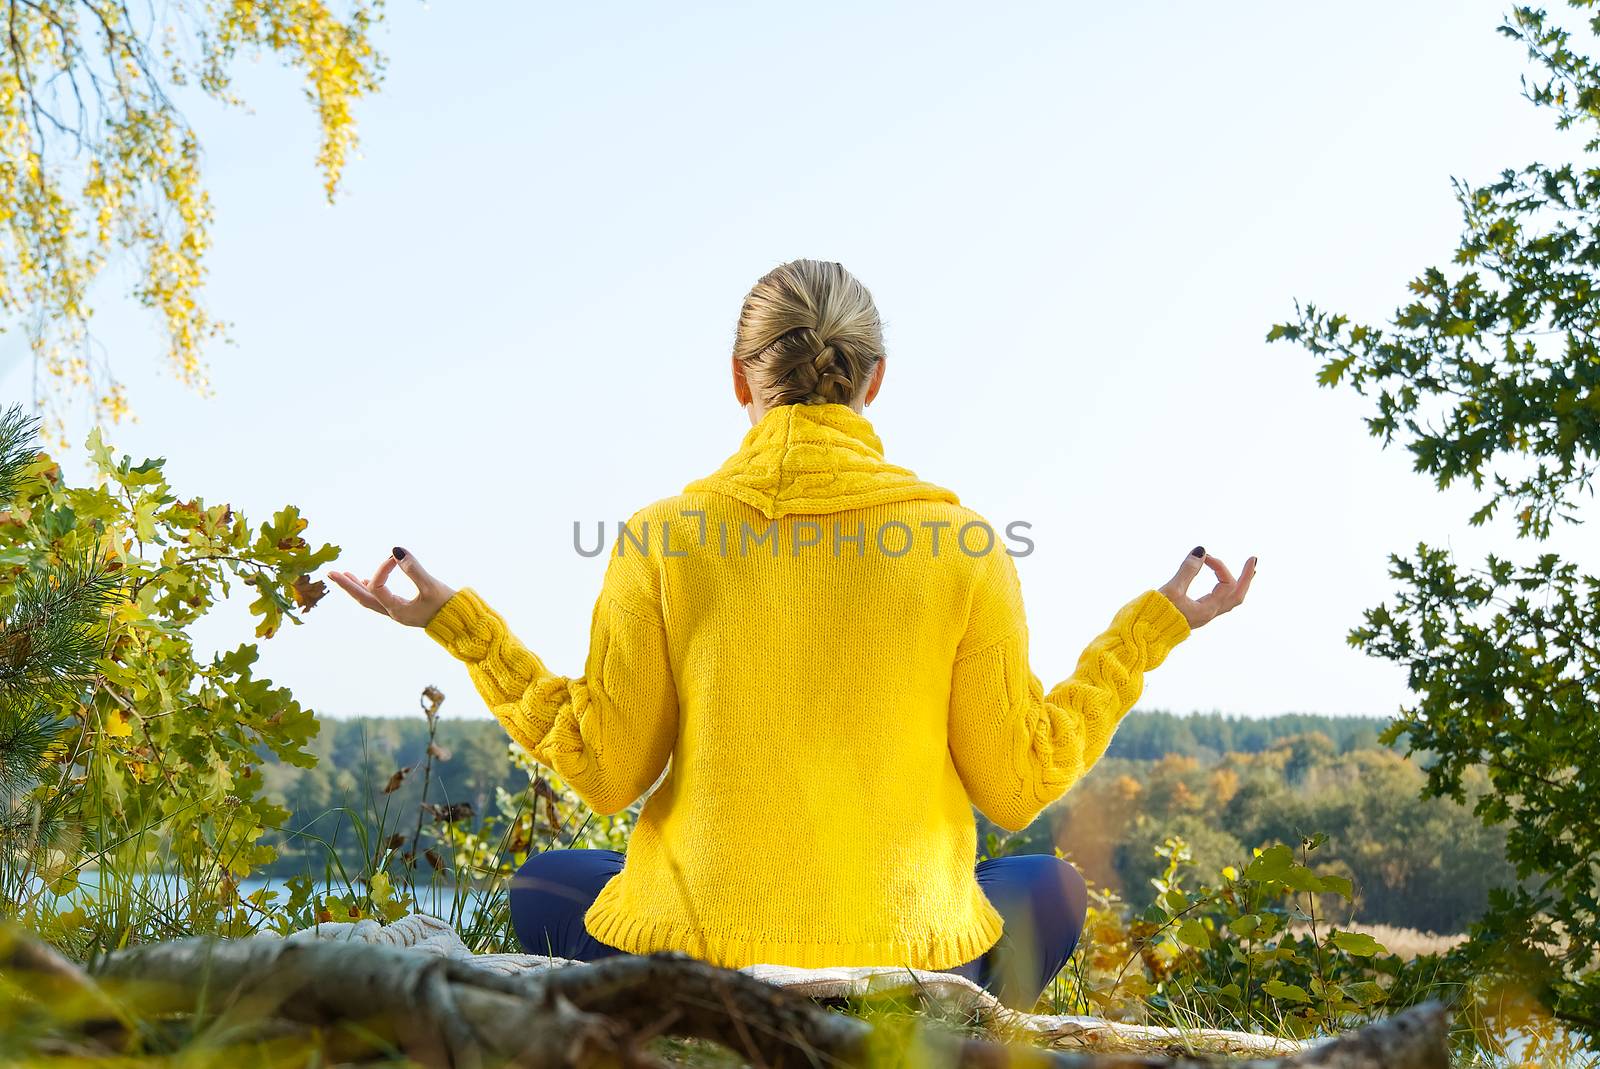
1041, 898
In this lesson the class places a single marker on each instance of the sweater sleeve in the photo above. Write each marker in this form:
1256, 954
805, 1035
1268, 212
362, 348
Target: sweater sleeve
1016, 748
609, 732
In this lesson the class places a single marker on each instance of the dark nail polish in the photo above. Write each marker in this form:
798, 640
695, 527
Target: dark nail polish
399, 554
1198, 551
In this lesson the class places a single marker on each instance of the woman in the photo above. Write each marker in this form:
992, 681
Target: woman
833, 656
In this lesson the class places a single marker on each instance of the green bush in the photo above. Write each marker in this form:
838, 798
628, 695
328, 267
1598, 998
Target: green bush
154, 754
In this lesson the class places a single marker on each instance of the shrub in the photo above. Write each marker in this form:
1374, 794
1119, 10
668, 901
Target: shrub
155, 754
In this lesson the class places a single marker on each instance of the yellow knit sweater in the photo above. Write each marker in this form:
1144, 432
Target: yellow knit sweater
838, 676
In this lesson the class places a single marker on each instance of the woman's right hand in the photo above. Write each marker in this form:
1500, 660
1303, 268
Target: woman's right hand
1226, 595
413, 612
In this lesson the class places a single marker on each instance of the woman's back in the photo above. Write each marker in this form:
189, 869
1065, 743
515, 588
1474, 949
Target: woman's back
811, 633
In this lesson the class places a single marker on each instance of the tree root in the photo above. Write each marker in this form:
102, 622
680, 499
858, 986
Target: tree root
443, 1012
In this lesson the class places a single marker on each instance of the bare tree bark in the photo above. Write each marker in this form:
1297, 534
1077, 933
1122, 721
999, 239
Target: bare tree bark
444, 1012
1414, 1039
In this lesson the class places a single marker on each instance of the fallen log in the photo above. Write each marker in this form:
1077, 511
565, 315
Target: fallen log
51, 976
444, 1012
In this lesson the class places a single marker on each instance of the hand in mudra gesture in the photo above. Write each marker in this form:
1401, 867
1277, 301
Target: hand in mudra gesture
376, 595
1227, 594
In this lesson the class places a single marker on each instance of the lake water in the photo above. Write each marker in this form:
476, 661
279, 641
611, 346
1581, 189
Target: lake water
437, 901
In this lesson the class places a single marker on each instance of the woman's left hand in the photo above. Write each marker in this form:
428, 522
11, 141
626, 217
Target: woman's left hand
375, 595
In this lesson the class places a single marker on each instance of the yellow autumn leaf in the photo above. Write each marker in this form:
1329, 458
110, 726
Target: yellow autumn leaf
382, 890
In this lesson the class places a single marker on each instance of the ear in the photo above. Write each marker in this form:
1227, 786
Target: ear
877, 379
741, 385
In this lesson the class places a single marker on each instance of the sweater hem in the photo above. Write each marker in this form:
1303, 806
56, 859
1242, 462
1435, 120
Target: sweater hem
616, 926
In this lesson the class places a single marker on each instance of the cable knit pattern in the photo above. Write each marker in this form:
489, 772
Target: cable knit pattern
814, 459
831, 675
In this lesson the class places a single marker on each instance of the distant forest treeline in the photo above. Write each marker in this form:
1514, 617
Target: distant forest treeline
1149, 736
1224, 784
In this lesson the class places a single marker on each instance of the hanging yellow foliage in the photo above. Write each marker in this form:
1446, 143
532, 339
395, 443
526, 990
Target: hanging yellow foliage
95, 157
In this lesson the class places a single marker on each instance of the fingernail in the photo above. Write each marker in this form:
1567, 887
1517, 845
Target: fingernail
399, 554
1198, 551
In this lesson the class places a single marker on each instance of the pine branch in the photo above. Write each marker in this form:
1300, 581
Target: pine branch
51, 635
18, 434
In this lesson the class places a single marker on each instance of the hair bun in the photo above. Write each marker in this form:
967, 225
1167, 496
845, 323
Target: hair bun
834, 380
781, 341
827, 358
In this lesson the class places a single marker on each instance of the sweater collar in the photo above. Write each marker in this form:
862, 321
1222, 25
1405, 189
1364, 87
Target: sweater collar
805, 459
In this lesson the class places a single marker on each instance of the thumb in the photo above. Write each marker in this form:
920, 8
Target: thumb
414, 570
1189, 569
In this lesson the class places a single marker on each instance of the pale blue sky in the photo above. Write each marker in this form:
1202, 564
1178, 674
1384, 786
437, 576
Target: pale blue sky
1078, 222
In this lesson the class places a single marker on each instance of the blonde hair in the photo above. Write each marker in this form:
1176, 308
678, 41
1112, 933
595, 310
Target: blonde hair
808, 333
